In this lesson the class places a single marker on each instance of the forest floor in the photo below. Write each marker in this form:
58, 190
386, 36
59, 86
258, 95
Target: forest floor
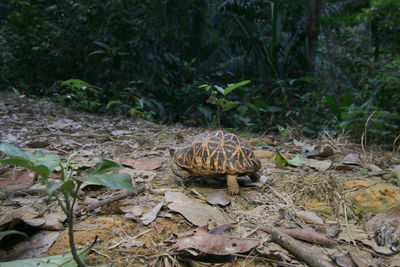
341, 201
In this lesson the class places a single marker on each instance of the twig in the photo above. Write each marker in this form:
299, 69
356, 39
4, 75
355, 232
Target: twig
280, 263
123, 239
198, 194
251, 232
107, 136
102, 254
394, 143
312, 257
343, 204
308, 235
285, 200
120, 196
364, 135
39, 190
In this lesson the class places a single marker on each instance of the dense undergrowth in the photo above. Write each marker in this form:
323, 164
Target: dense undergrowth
319, 69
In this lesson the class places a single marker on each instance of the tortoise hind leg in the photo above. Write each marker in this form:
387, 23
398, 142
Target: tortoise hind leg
254, 176
233, 186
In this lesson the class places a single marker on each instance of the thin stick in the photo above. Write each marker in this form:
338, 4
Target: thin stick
280, 263
364, 135
310, 256
394, 143
286, 201
120, 196
107, 136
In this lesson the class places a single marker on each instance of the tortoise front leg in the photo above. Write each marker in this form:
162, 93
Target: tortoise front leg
233, 186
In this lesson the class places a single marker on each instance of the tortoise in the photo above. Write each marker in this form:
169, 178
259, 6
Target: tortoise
216, 154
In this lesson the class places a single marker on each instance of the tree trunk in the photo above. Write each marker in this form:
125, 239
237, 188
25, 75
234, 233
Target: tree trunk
314, 12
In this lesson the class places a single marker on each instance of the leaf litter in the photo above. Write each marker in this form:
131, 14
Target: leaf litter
313, 190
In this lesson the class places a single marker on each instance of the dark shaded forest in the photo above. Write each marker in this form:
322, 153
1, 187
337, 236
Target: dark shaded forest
261, 65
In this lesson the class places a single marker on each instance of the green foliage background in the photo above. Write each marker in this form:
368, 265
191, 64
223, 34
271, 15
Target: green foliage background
153, 58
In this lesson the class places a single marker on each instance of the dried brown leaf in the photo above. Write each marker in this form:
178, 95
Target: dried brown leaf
352, 159
263, 179
215, 244
35, 246
323, 152
197, 213
219, 198
352, 234
220, 229
37, 144
373, 168
310, 217
395, 173
320, 165
345, 261
144, 164
23, 213
385, 227
150, 216
17, 181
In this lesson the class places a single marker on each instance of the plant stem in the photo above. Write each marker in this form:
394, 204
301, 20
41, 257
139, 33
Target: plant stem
70, 221
69, 211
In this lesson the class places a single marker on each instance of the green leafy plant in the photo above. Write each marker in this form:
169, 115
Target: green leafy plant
45, 164
219, 99
80, 94
339, 107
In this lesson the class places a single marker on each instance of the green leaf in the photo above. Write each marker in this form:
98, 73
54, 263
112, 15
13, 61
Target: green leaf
105, 166
111, 181
11, 232
261, 104
232, 87
102, 45
49, 160
42, 170
297, 161
228, 105
332, 105
97, 52
68, 186
279, 160
219, 89
207, 112
347, 100
65, 260
284, 132
274, 109
111, 103
14, 151
51, 187
41, 163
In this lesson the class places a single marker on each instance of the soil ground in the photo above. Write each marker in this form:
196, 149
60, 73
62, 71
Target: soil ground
335, 195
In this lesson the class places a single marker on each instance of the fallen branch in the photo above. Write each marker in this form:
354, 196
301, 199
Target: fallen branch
111, 199
105, 136
303, 234
312, 257
39, 190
